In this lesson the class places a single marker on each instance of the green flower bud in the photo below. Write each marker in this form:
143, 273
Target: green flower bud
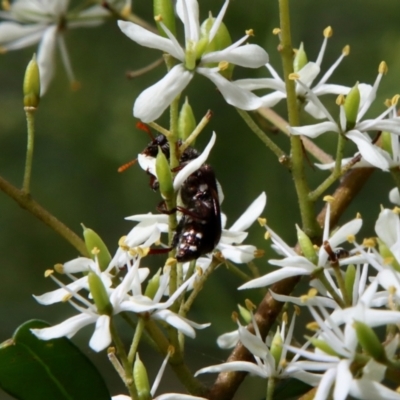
386, 254
300, 59
31, 87
164, 11
141, 379
153, 285
94, 241
369, 341
322, 345
351, 105
245, 314
349, 279
276, 347
221, 40
386, 142
164, 175
99, 294
306, 246
186, 121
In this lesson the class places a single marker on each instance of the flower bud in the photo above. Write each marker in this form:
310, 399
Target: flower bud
386, 142
300, 59
31, 86
94, 241
386, 254
164, 175
245, 314
349, 279
322, 345
221, 40
369, 341
351, 105
141, 379
153, 285
186, 121
306, 246
276, 347
99, 294
164, 11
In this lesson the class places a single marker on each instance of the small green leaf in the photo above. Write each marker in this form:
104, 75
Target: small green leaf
32, 369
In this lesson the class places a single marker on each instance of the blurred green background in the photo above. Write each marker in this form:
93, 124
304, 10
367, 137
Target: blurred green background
84, 136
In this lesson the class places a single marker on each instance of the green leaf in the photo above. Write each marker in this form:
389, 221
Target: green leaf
32, 369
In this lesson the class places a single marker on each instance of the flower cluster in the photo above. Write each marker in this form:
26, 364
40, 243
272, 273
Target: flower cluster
344, 355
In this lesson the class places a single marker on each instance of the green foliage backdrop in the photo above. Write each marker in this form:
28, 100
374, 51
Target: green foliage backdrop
83, 136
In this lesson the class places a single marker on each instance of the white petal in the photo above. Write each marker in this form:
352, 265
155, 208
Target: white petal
273, 277
233, 95
314, 301
80, 264
254, 344
45, 58
295, 262
325, 384
314, 131
152, 102
229, 237
250, 56
308, 73
218, 21
373, 154
368, 390
228, 340
194, 165
386, 227
58, 295
343, 380
177, 396
188, 12
271, 99
234, 366
349, 229
66, 328
149, 39
147, 163
176, 321
238, 254
394, 196
261, 83
101, 337
151, 218
389, 125
251, 214
331, 89
12, 31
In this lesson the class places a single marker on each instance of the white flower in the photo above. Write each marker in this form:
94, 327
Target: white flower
32, 21
266, 366
229, 244
101, 337
157, 310
77, 265
307, 74
294, 265
344, 344
153, 101
127, 296
372, 154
